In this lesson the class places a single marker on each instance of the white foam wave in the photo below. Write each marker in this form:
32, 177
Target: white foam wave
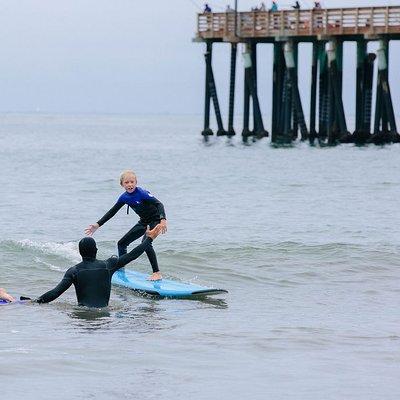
67, 250
51, 266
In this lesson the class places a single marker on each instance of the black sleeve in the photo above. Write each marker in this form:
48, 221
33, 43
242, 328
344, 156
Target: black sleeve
159, 206
132, 255
109, 214
51, 295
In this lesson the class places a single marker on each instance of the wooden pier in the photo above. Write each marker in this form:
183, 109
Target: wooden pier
327, 30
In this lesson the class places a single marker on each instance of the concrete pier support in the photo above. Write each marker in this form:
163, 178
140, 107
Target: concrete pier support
293, 79
364, 80
231, 131
337, 126
367, 95
250, 71
246, 133
211, 91
385, 128
323, 101
287, 108
313, 100
295, 93
283, 123
360, 83
207, 130
278, 82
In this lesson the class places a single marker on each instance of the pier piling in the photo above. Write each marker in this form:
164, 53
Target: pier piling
385, 129
231, 131
207, 130
313, 99
291, 66
323, 94
279, 71
212, 92
326, 30
250, 68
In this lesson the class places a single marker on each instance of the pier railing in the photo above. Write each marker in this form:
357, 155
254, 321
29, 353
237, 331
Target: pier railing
267, 24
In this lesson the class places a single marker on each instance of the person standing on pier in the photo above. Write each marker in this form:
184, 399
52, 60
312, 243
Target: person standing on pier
274, 6
296, 6
317, 5
207, 8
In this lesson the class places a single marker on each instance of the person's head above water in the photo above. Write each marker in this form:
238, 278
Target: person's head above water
87, 247
128, 180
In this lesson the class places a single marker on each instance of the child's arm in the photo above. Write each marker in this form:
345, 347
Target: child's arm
161, 211
92, 228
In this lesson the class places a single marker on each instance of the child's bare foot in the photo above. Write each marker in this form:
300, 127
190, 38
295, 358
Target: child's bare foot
154, 232
155, 276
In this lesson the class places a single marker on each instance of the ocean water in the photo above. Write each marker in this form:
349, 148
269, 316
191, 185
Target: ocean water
304, 239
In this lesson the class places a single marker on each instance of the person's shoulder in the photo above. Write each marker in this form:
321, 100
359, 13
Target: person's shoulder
122, 197
77, 266
112, 261
71, 272
144, 192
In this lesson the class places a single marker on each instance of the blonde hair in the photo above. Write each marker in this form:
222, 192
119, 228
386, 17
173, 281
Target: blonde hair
124, 174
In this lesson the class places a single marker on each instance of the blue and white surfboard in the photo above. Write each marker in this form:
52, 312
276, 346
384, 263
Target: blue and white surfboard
164, 287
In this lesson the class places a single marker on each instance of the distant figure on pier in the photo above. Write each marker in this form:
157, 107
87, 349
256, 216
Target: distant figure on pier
229, 9
274, 6
207, 8
262, 7
317, 6
296, 6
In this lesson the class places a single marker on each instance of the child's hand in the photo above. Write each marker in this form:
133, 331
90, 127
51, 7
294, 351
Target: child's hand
163, 226
154, 232
5, 296
92, 228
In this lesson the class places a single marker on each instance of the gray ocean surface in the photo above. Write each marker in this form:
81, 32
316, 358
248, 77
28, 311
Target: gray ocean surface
305, 240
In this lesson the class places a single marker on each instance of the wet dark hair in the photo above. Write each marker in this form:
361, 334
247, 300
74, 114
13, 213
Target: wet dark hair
87, 247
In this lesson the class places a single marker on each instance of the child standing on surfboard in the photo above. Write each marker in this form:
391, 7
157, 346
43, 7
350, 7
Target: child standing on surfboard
150, 210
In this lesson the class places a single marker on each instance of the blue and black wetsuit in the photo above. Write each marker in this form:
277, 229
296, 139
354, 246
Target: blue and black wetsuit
92, 277
151, 212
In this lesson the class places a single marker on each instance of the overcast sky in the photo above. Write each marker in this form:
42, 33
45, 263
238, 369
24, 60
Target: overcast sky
119, 56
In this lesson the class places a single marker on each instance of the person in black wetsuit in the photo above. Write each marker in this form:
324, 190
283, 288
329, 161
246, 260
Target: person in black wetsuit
150, 210
92, 277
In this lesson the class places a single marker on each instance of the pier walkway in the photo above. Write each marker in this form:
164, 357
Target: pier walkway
367, 21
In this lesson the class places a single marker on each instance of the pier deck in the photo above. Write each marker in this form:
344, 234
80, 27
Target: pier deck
266, 25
